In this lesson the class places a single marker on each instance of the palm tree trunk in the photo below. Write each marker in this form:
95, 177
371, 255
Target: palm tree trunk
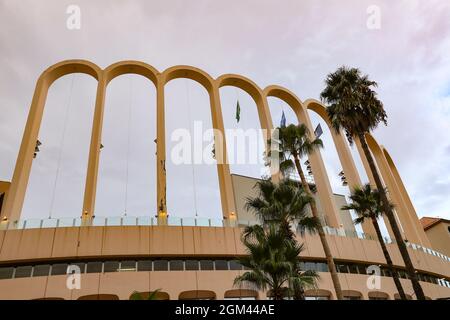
323, 239
390, 215
387, 256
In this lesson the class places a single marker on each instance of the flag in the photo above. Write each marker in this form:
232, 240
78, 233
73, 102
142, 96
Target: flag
318, 131
238, 111
283, 120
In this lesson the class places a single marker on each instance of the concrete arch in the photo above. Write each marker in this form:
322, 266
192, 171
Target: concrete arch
16, 193
131, 67
352, 294
241, 82
197, 295
160, 295
325, 193
343, 151
240, 293
378, 295
319, 293
60, 69
409, 230
223, 170
408, 297
412, 215
188, 72
99, 297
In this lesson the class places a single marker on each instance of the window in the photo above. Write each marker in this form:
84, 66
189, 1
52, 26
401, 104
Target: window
6, 273
94, 267
322, 267
191, 264
362, 269
59, 269
176, 265
342, 268
160, 265
128, 265
144, 265
80, 265
23, 272
310, 266
221, 265
235, 265
111, 266
353, 268
206, 265
41, 270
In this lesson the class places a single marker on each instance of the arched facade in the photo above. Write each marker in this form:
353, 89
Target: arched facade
15, 195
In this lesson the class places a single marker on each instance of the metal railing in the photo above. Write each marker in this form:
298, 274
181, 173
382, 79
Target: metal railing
177, 221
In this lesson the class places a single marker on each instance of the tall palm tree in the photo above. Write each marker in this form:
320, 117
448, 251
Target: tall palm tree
353, 106
295, 143
367, 205
273, 263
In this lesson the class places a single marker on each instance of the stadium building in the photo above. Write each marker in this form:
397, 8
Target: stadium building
194, 258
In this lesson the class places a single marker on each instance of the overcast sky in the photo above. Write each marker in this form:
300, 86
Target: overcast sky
290, 43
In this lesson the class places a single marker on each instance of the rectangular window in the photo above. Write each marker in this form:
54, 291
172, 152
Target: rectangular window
235, 265
80, 265
191, 264
342, 268
59, 269
221, 264
111, 266
42, 270
206, 265
94, 267
6, 273
176, 265
353, 268
23, 272
322, 267
160, 265
144, 265
128, 265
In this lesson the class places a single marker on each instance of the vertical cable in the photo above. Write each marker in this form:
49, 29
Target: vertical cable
192, 149
61, 146
128, 145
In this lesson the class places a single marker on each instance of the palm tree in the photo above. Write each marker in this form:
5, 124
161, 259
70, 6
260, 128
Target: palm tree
140, 296
367, 205
295, 143
353, 106
283, 204
273, 263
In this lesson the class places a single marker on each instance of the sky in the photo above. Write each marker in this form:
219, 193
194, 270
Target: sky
290, 43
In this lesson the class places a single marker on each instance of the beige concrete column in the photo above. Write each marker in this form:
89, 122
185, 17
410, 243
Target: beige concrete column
350, 171
424, 241
160, 150
16, 193
223, 168
324, 191
393, 191
90, 188
372, 183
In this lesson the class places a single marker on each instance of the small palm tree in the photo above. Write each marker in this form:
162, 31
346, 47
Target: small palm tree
353, 107
139, 296
295, 143
367, 205
284, 204
273, 263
